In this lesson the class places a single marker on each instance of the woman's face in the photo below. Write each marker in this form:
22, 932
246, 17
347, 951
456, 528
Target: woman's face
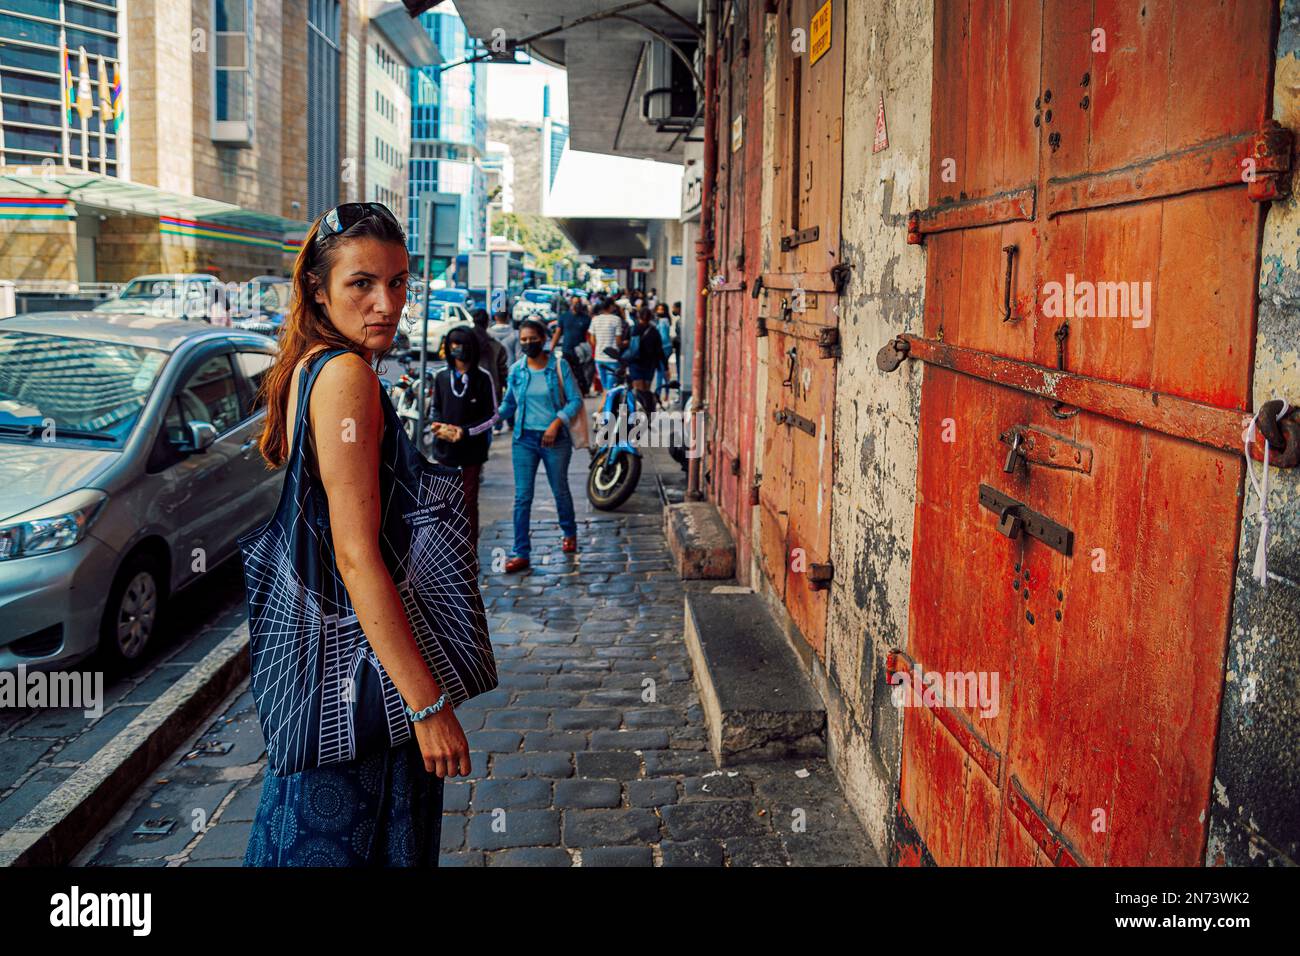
529, 334
366, 291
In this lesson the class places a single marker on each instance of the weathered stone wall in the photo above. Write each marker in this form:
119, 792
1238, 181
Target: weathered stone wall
38, 249
1254, 812
890, 53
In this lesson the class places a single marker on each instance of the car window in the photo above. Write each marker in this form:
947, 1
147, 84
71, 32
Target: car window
174, 427
210, 395
253, 366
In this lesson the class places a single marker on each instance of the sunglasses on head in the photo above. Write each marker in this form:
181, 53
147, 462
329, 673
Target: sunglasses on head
343, 217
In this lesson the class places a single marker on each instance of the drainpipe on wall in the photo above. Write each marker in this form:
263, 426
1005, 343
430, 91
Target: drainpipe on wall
704, 243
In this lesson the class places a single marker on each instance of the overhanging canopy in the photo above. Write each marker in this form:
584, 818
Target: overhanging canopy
109, 192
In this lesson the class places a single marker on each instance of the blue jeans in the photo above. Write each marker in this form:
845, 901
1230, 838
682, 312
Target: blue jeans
608, 374
525, 454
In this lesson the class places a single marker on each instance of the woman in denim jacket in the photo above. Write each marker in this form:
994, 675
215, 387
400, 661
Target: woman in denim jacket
541, 418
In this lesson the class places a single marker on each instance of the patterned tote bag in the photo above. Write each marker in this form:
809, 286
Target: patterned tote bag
322, 694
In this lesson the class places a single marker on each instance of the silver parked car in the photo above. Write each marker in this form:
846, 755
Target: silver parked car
128, 467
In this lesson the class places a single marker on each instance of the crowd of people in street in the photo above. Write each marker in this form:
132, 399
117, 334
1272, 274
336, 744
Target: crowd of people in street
533, 379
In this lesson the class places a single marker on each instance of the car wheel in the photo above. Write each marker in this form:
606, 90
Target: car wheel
131, 614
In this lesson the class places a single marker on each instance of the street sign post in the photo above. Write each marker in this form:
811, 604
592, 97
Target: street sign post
440, 223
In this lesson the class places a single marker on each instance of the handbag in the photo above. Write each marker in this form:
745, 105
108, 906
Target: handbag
321, 692
578, 427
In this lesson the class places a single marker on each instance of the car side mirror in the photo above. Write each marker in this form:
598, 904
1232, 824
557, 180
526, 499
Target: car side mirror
202, 437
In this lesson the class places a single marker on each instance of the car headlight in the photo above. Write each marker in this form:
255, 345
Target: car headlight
53, 526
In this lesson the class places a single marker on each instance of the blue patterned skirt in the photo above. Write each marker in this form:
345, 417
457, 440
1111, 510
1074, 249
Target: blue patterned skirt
384, 809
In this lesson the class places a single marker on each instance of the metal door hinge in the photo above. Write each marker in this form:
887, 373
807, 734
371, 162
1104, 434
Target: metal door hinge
799, 238
783, 416
828, 341
820, 576
1015, 517
757, 287
1271, 154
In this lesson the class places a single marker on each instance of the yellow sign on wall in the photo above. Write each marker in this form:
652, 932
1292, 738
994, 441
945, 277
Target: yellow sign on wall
820, 33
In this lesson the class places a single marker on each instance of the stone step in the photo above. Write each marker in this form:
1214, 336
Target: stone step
700, 542
757, 701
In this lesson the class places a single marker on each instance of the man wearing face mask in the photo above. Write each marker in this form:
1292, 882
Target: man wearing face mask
462, 413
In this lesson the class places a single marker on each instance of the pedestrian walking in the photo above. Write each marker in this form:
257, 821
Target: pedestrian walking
462, 412
383, 808
607, 328
570, 332
507, 335
644, 355
492, 351
664, 325
541, 403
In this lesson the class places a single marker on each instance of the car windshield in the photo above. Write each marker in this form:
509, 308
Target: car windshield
56, 388
148, 289
533, 295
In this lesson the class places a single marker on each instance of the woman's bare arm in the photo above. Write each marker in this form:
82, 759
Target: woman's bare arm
347, 421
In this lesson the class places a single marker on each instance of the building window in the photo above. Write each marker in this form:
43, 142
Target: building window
36, 129
322, 106
233, 96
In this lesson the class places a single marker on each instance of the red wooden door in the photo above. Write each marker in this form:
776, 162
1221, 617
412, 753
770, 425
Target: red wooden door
733, 312
1103, 158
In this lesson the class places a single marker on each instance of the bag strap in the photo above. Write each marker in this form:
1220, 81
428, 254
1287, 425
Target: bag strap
306, 379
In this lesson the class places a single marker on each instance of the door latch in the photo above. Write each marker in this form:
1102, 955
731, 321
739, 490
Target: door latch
784, 416
1014, 457
1015, 517
820, 576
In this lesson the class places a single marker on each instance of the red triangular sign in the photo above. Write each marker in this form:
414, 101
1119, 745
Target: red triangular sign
882, 136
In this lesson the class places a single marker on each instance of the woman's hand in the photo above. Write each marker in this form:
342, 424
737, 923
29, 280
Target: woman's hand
552, 433
443, 744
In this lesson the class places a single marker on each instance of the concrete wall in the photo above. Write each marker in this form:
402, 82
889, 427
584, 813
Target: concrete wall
293, 111
160, 91
1254, 813
530, 166
247, 176
875, 414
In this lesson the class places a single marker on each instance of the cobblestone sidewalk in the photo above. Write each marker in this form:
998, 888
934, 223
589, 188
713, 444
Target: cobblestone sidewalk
591, 752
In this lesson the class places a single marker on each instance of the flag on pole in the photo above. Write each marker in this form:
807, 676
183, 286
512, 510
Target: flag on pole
84, 109
118, 99
105, 96
69, 86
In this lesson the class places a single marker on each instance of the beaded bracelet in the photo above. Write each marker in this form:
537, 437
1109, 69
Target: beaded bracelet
428, 711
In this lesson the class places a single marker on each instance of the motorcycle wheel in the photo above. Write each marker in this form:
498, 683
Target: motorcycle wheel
611, 484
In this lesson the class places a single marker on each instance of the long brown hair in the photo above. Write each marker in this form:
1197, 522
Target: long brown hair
306, 325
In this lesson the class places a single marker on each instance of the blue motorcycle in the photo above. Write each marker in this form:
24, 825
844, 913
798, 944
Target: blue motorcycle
616, 465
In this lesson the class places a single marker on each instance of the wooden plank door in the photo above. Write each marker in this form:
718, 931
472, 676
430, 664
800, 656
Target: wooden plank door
801, 314
1116, 166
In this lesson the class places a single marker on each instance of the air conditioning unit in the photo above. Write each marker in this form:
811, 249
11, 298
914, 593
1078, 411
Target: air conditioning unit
669, 98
